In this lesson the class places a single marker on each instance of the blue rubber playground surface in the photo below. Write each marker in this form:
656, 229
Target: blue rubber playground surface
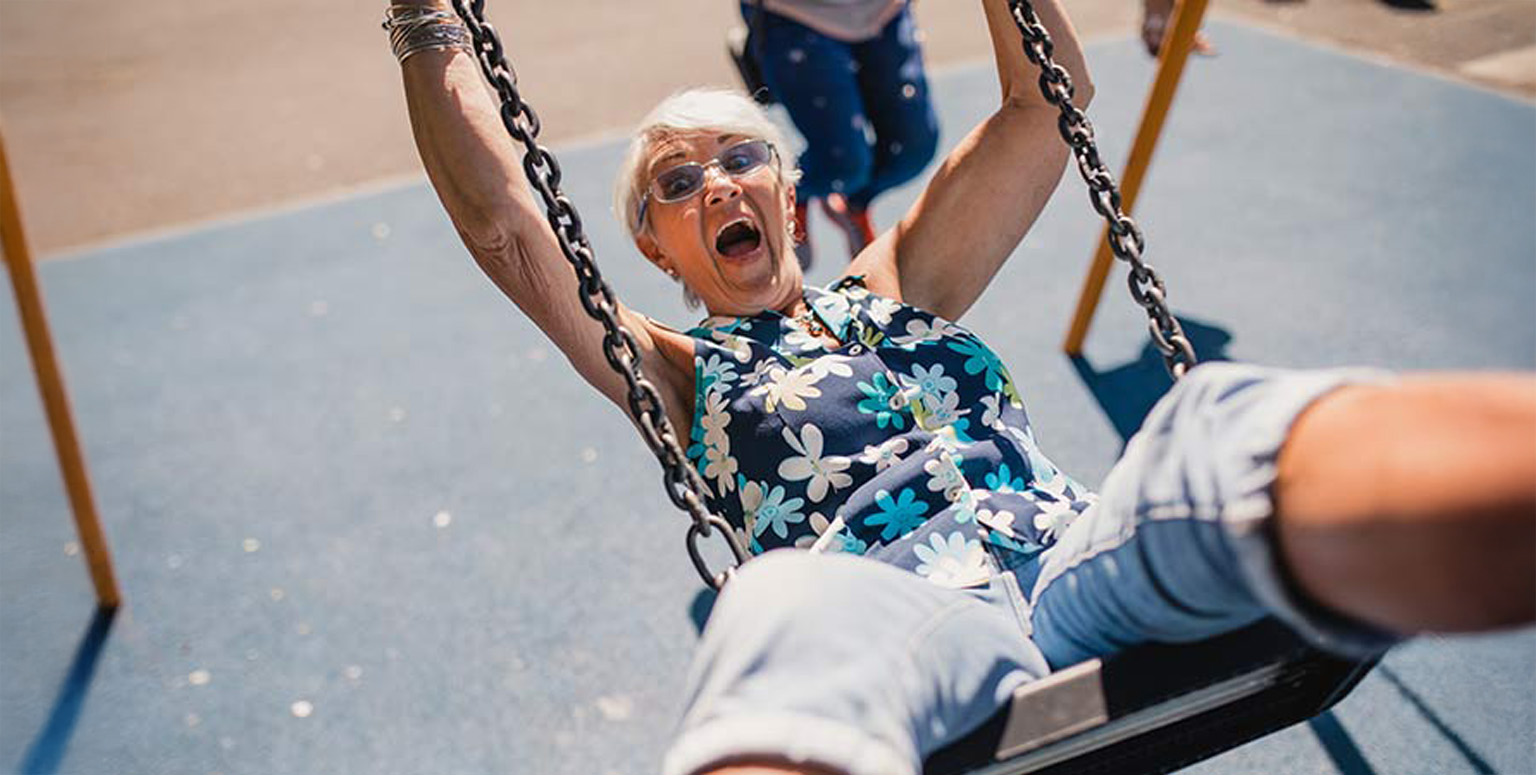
368, 521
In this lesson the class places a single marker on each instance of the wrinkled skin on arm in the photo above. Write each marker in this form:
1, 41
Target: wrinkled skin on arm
476, 170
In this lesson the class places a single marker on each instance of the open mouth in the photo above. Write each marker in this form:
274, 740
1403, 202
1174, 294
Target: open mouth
738, 239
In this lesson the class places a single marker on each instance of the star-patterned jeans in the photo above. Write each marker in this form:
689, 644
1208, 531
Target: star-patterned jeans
850, 663
863, 108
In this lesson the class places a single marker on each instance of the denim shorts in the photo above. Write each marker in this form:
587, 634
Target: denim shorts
861, 667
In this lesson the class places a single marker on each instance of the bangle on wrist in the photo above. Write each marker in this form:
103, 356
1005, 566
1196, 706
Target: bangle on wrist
416, 28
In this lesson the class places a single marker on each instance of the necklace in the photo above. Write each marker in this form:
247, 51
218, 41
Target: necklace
811, 323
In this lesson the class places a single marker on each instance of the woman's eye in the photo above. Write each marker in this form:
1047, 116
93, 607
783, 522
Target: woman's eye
736, 161
675, 185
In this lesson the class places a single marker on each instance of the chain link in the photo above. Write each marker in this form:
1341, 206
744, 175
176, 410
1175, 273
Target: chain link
1125, 239
683, 483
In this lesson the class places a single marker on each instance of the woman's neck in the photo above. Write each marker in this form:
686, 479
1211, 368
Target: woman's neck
798, 305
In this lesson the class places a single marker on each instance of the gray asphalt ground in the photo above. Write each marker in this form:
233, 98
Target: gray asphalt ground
126, 118
367, 522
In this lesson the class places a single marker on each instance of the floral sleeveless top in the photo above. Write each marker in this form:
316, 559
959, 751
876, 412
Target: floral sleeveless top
909, 443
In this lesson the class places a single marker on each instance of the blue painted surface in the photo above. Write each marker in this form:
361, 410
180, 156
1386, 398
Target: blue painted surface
326, 389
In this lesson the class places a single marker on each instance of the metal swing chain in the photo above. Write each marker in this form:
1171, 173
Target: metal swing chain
682, 482
1125, 239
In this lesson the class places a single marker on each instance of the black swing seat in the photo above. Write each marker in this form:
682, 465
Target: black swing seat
1156, 708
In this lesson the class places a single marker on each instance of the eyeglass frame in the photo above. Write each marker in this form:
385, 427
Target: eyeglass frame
773, 155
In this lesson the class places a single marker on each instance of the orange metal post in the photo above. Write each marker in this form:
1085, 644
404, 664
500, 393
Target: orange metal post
50, 383
1187, 16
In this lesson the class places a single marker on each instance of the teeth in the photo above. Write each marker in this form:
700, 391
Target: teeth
741, 221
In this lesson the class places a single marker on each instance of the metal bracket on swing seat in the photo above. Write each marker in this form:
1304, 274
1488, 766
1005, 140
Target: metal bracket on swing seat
1156, 707
1059, 705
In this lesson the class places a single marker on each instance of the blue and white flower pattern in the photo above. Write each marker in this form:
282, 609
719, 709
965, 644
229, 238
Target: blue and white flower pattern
951, 560
885, 455
908, 443
766, 508
897, 516
810, 465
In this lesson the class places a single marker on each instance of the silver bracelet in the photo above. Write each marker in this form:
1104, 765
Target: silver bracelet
415, 28
436, 36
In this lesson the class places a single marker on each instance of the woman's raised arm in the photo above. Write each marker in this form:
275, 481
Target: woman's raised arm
477, 172
987, 193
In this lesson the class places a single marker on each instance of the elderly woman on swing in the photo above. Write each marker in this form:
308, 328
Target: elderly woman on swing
950, 560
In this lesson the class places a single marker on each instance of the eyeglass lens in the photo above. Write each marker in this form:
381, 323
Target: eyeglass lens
685, 180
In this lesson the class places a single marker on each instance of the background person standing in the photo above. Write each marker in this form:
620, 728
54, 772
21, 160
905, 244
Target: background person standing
850, 74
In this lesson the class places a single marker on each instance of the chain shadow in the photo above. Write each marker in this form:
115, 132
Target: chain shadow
1127, 392
1473, 759
699, 610
48, 748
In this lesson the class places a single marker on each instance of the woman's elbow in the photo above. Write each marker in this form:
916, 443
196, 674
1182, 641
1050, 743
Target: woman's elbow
503, 251
488, 220
490, 232
1027, 93
485, 236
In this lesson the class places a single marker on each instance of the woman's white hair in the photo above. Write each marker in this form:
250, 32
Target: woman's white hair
695, 110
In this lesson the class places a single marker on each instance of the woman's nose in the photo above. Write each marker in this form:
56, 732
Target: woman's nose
719, 186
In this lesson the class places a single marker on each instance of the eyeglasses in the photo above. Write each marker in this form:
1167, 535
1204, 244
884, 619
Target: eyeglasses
683, 181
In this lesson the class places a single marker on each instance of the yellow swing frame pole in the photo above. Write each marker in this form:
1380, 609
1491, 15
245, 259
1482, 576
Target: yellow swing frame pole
50, 384
1178, 42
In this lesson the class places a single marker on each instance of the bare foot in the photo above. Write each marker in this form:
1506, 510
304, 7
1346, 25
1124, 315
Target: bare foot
1154, 25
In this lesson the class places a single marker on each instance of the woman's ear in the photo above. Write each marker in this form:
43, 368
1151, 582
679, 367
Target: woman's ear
653, 254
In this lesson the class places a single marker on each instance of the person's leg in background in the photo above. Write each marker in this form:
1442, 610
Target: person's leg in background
1156, 19
814, 77
894, 87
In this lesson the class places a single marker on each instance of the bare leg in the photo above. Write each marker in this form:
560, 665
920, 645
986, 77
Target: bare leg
1412, 506
1156, 15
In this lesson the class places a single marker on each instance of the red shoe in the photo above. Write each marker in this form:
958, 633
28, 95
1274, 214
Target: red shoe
863, 226
853, 221
802, 235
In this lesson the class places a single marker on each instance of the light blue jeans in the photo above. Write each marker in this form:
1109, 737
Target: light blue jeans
859, 666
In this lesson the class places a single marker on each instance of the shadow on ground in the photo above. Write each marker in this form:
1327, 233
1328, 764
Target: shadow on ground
1127, 392
48, 749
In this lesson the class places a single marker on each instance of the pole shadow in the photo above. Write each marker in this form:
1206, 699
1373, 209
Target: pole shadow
1339, 745
50, 745
1127, 392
